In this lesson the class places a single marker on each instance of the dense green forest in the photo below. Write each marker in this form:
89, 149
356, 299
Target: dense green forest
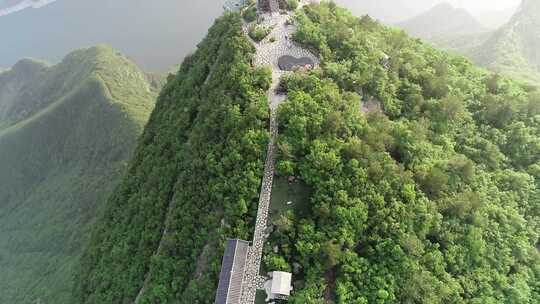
433, 199
66, 134
193, 182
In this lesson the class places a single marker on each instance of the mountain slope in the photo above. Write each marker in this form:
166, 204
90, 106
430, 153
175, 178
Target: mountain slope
388, 11
193, 182
442, 20
513, 49
15, 83
411, 205
494, 19
66, 132
434, 198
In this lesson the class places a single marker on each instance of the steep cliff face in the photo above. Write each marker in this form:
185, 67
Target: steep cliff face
66, 132
513, 49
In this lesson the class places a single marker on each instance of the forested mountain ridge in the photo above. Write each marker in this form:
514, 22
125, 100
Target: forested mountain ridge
66, 132
433, 199
193, 182
442, 20
31, 86
513, 49
12, 82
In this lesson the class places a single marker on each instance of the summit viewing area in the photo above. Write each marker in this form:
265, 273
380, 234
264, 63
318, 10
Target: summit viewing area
277, 50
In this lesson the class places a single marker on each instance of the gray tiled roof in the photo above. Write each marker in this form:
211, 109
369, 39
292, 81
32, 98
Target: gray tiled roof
232, 272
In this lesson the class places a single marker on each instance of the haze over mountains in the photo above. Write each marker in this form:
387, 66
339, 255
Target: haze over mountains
510, 49
442, 19
494, 19
491, 13
138, 28
514, 48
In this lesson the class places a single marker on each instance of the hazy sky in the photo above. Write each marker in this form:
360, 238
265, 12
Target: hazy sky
474, 6
392, 11
155, 33
484, 5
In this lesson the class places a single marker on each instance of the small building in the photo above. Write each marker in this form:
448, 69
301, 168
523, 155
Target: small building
279, 286
232, 272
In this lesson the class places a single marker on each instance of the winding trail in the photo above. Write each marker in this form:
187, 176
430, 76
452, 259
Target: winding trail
277, 44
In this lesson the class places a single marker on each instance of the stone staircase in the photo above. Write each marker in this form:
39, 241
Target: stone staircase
273, 6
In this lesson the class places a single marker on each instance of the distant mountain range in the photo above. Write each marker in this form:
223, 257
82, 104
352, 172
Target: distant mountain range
514, 49
495, 18
396, 11
66, 133
511, 49
388, 11
442, 20
137, 28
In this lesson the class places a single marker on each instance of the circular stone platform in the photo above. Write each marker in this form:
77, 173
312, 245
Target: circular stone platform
290, 63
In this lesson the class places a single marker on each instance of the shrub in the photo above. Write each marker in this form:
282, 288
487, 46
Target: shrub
250, 14
258, 33
292, 4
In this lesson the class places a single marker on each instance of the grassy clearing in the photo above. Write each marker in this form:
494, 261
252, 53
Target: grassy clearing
260, 297
258, 32
287, 197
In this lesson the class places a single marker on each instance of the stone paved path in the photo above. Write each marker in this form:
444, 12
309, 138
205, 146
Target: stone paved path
268, 54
